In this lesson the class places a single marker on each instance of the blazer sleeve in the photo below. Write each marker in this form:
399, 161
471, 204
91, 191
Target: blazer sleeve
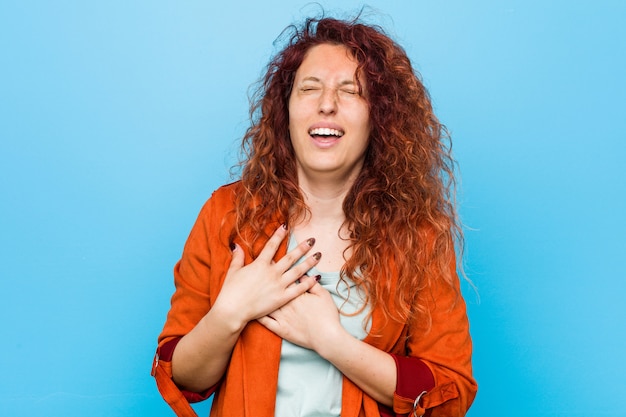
189, 303
414, 379
443, 344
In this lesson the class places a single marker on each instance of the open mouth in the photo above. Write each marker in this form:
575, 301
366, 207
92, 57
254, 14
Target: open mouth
324, 132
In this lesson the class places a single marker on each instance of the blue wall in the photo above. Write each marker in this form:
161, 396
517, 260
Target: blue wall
118, 119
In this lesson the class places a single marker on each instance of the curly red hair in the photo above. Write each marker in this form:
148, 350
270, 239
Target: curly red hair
401, 206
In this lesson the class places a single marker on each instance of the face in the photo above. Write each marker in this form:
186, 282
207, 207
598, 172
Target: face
328, 118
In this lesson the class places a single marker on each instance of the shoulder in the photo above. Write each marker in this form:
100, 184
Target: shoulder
223, 197
220, 207
227, 192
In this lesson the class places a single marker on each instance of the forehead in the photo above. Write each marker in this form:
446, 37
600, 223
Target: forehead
328, 61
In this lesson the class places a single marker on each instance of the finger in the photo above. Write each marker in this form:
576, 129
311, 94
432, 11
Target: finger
305, 285
300, 269
292, 256
238, 258
317, 288
299, 280
269, 323
272, 245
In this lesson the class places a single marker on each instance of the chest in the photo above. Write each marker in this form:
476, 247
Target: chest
329, 241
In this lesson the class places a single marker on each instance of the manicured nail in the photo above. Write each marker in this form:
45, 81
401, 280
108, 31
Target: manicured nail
317, 255
284, 226
317, 278
311, 241
232, 246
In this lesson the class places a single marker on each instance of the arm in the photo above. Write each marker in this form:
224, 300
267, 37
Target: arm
445, 346
435, 356
216, 295
248, 292
202, 355
435, 367
312, 321
373, 370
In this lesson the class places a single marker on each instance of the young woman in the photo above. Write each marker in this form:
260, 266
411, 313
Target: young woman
324, 283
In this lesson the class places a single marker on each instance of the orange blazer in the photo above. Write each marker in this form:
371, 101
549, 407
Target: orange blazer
249, 385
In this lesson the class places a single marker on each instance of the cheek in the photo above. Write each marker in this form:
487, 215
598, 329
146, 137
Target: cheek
365, 123
292, 116
295, 135
297, 122
296, 110
293, 125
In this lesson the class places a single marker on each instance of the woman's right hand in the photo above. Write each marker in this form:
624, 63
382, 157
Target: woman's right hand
259, 288
248, 292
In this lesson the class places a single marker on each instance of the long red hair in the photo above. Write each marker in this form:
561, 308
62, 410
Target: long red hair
400, 209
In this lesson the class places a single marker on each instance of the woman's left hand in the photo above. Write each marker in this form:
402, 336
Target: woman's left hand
311, 320
307, 320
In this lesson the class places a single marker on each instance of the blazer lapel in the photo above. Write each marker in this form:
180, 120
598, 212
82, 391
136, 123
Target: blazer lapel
261, 357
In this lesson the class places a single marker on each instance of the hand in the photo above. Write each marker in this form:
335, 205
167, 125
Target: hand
255, 290
310, 320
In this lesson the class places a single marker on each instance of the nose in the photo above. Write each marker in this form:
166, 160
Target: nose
328, 101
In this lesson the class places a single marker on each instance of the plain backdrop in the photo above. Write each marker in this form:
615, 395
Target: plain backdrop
119, 118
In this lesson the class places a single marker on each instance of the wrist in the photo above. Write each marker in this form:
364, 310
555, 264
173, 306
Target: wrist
230, 319
333, 342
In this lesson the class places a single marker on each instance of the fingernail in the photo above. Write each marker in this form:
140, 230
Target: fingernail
284, 226
311, 241
317, 255
317, 278
232, 246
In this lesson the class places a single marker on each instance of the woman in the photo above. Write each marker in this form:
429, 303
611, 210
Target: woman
324, 281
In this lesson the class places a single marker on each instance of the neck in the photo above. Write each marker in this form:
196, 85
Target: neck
324, 200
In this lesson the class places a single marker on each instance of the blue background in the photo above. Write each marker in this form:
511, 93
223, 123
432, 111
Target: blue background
118, 119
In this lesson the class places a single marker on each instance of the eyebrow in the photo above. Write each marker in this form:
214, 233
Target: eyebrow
317, 80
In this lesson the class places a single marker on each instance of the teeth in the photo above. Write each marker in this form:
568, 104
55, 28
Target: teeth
323, 131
